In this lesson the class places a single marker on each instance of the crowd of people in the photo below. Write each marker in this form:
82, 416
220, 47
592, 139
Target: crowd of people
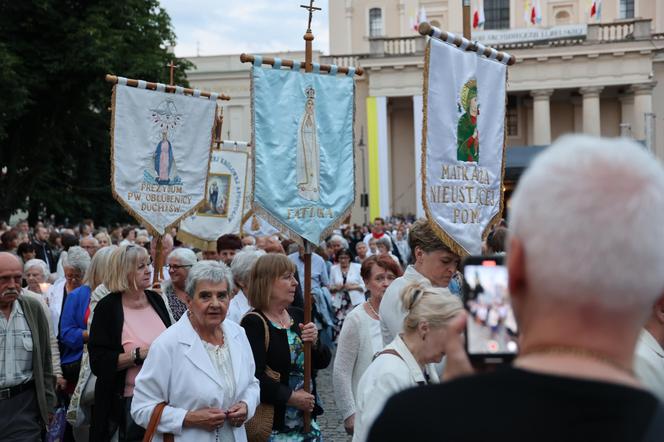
213, 341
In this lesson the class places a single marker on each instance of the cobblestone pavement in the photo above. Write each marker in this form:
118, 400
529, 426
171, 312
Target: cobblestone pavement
331, 423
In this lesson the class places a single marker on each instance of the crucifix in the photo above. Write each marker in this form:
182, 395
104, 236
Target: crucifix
311, 8
309, 37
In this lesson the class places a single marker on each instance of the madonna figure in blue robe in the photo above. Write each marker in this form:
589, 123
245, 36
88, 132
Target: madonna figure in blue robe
164, 162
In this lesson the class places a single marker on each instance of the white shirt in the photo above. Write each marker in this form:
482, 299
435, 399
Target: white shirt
386, 376
391, 310
238, 307
649, 363
179, 370
358, 342
54, 297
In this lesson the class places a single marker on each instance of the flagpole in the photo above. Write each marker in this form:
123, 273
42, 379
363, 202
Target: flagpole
466, 19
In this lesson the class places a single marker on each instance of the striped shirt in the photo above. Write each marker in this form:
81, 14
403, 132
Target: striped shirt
15, 348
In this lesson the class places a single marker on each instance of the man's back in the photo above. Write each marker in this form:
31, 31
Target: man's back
517, 405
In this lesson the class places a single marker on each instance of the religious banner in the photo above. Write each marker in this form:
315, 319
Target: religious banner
160, 152
463, 144
223, 209
304, 172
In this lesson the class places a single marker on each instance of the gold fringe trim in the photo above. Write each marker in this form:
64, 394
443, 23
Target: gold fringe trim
257, 209
126, 206
195, 241
446, 238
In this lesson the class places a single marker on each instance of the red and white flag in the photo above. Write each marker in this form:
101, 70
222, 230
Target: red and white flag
478, 14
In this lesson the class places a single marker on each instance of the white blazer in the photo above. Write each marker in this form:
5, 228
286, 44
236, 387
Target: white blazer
179, 371
353, 277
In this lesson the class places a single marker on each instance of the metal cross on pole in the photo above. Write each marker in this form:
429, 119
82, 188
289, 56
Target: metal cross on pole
311, 8
172, 67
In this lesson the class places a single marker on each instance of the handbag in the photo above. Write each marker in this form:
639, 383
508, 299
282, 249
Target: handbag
154, 422
56, 428
259, 427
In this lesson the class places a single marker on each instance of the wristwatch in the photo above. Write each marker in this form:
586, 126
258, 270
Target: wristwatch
137, 356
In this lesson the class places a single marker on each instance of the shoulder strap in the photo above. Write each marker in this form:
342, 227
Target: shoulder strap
656, 428
388, 351
267, 331
154, 422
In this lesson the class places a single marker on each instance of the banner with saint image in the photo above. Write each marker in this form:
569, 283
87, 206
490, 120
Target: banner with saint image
160, 152
223, 209
303, 168
463, 144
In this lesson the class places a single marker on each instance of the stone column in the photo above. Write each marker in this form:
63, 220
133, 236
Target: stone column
642, 105
591, 112
349, 26
627, 111
541, 116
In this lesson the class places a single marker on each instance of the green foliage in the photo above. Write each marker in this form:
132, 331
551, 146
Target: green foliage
55, 103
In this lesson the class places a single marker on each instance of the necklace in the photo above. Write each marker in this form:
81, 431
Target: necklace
373, 309
286, 324
580, 352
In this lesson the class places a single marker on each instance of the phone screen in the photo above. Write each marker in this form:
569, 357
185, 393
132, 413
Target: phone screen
491, 328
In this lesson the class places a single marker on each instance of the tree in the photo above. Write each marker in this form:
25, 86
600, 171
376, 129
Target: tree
55, 104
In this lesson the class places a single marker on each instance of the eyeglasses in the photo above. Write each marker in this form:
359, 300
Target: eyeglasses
177, 267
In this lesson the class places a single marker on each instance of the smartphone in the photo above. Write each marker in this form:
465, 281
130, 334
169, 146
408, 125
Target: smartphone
491, 330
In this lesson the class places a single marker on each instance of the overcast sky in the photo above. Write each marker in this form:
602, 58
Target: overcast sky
212, 27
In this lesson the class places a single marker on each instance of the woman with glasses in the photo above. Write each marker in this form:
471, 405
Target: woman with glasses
74, 264
125, 323
178, 263
409, 360
280, 359
346, 286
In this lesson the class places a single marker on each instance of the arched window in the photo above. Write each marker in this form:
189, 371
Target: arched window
562, 18
375, 22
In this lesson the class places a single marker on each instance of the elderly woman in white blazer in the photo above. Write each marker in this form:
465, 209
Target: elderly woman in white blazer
409, 360
202, 367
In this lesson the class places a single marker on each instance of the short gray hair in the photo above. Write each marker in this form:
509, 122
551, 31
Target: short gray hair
37, 263
243, 262
78, 258
338, 238
386, 241
211, 271
186, 256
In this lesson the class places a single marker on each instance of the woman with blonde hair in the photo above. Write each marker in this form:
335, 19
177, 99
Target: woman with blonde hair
408, 361
125, 324
280, 359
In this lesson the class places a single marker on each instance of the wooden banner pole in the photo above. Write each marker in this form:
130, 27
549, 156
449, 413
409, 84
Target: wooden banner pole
426, 29
308, 67
466, 19
168, 88
248, 58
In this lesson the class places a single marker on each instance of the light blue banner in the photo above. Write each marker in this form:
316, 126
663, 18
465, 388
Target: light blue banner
304, 170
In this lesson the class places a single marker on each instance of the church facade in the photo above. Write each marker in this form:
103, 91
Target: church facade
578, 71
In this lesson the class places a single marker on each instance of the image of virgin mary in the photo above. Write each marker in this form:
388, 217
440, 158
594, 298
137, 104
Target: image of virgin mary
164, 162
308, 153
468, 141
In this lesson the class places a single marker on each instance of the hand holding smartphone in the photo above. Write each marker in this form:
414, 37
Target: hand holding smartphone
491, 330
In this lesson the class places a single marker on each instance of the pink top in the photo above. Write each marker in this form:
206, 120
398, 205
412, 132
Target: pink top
141, 327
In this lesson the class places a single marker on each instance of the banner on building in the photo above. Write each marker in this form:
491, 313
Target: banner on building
463, 147
303, 168
223, 209
160, 153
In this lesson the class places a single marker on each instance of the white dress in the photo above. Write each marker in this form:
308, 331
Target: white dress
221, 359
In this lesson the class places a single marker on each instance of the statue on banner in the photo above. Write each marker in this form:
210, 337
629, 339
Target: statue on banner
165, 118
468, 142
308, 151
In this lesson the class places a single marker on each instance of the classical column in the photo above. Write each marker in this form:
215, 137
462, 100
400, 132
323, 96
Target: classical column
626, 113
417, 132
591, 113
541, 117
349, 26
642, 105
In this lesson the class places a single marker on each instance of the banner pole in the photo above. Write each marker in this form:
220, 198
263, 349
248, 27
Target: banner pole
466, 19
308, 67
